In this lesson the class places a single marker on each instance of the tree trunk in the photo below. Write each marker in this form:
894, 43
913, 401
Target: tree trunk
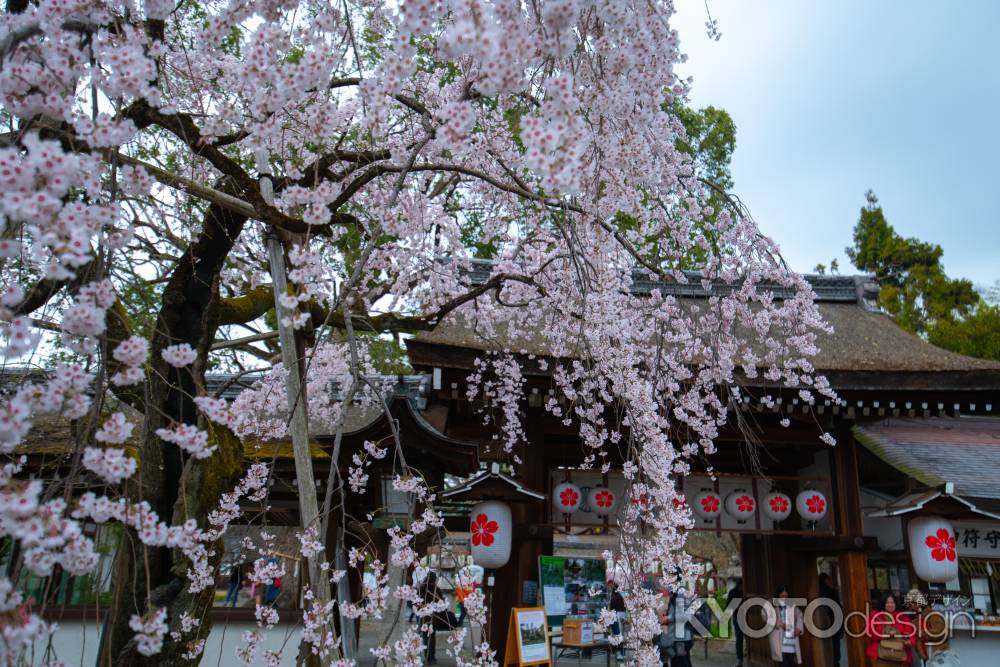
147, 577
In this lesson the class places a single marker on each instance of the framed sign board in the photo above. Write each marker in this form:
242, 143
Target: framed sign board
527, 637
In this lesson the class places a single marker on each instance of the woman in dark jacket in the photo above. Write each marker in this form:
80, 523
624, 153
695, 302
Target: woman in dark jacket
616, 603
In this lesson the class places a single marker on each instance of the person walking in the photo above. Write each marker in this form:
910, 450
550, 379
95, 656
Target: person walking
679, 630
891, 635
616, 603
736, 594
789, 626
235, 584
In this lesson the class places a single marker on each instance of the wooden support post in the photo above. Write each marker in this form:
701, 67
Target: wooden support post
299, 425
854, 595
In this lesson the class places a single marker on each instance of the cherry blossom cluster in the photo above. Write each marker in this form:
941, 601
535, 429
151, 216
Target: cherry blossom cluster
190, 438
115, 430
357, 478
111, 464
500, 380
305, 277
132, 353
149, 631
179, 355
37, 182
253, 487
262, 410
64, 393
20, 628
216, 409
47, 538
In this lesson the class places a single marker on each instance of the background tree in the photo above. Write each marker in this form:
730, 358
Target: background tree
915, 289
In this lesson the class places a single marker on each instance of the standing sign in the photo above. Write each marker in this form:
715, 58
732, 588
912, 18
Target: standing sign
527, 638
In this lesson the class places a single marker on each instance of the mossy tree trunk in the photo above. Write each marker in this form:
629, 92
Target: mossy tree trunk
145, 577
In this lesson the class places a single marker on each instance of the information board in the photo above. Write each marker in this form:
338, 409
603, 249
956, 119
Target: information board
572, 587
527, 637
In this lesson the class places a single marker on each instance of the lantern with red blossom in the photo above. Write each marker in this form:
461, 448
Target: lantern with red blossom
777, 506
740, 505
707, 505
933, 549
811, 505
601, 500
567, 497
491, 528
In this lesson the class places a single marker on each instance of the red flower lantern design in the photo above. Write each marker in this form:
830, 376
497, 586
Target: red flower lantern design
811, 505
566, 497
707, 505
740, 505
491, 529
482, 529
933, 549
601, 500
777, 506
941, 544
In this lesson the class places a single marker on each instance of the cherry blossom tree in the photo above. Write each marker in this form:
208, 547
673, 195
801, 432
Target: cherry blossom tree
406, 140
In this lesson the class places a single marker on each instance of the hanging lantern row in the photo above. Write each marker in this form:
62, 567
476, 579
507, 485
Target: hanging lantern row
777, 506
740, 505
567, 498
810, 504
601, 500
707, 505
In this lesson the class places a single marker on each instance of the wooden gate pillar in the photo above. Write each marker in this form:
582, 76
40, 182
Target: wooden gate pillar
854, 595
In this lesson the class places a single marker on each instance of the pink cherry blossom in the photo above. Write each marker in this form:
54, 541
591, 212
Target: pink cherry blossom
111, 465
179, 355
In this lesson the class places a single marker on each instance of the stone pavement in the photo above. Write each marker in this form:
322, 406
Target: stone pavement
720, 653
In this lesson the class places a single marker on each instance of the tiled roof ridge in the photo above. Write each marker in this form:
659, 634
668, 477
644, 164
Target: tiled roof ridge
860, 289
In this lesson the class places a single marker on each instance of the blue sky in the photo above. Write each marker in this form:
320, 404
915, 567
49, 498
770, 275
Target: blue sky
832, 98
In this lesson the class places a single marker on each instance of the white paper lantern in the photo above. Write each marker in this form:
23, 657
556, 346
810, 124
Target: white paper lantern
707, 505
566, 498
777, 506
811, 505
740, 505
933, 549
602, 500
491, 527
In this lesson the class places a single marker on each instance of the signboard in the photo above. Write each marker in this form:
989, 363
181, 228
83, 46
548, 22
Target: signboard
573, 587
528, 637
977, 539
